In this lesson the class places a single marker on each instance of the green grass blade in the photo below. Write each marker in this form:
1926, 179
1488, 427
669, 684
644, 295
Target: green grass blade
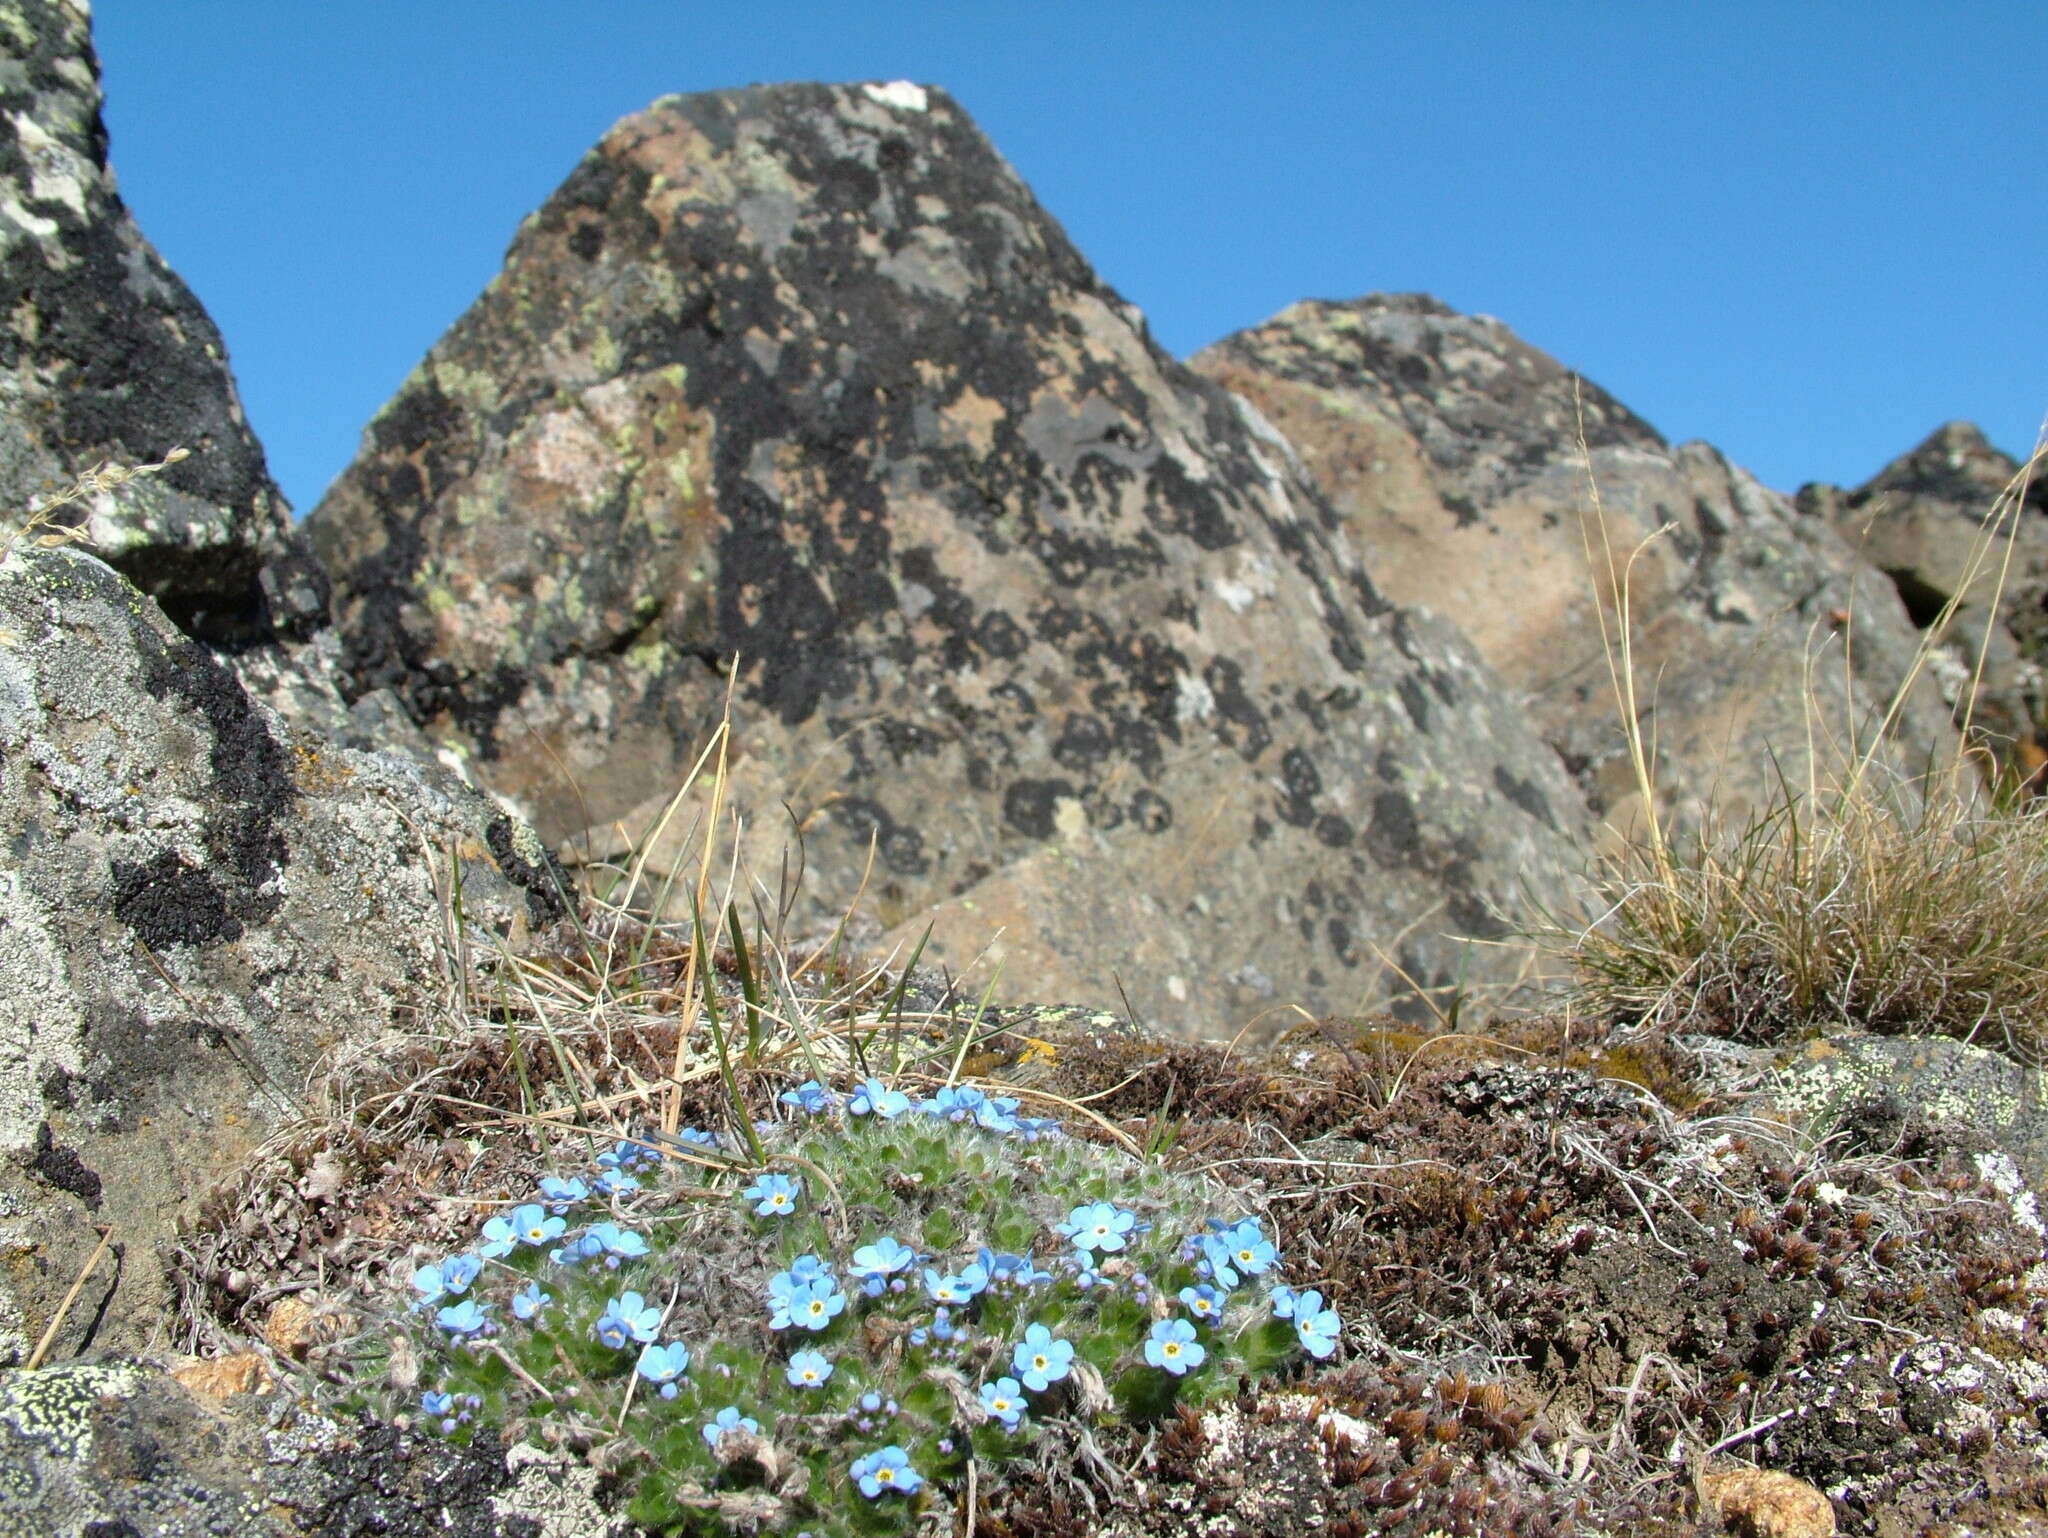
717, 1025
750, 988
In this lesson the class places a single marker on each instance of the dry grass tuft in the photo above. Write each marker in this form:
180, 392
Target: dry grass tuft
1863, 898
45, 524
1889, 912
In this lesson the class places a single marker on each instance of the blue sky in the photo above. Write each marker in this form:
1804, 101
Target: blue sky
1808, 233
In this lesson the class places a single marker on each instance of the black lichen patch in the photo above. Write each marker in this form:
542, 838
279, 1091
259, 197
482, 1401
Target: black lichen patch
1151, 811
1031, 806
544, 881
1524, 794
901, 847
1084, 742
400, 1485
64, 1169
169, 901
1414, 701
252, 794
1394, 836
1300, 784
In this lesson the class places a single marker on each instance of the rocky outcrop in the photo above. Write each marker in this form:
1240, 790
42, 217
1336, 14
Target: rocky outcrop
1926, 521
1452, 448
105, 355
800, 383
195, 902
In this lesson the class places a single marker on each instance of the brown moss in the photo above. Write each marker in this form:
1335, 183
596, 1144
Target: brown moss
1498, 1194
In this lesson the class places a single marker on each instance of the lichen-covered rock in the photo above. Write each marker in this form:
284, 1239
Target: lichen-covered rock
195, 902
1922, 520
1870, 1086
802, 378
115, 1446
105, 354
1452, 449
90, 1448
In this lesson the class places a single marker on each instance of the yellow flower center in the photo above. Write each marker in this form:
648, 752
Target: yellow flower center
885, 1475
1172, 1348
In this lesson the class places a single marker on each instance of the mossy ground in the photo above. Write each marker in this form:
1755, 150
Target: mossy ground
1627, 1279
1571, 1278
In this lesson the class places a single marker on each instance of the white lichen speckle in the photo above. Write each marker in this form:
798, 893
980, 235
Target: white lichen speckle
2003, 1175
1234, 593
902, 94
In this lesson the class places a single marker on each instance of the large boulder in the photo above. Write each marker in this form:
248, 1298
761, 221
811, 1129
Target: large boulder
1453, 450
106, 356
196, 902
1927, 521
801, 381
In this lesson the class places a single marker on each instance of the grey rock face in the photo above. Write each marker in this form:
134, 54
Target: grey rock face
1925, 520
1452, 449
195, 902
105, 355
802, 376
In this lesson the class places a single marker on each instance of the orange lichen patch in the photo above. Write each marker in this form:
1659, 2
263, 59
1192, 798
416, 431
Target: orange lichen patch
1764, 1503
224, 1377
316, 772
291, 1330
302, 1321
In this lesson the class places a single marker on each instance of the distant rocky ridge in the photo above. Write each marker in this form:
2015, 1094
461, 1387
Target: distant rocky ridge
1453, 450
1922, 521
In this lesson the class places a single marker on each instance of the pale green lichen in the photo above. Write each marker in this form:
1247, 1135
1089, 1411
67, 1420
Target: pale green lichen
1950, 1083
527, 844
478, 387
54, 1406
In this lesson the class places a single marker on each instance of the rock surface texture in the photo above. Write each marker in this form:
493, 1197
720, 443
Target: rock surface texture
1922, 521
105, 355
195, 902
1451, 447
802, 376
